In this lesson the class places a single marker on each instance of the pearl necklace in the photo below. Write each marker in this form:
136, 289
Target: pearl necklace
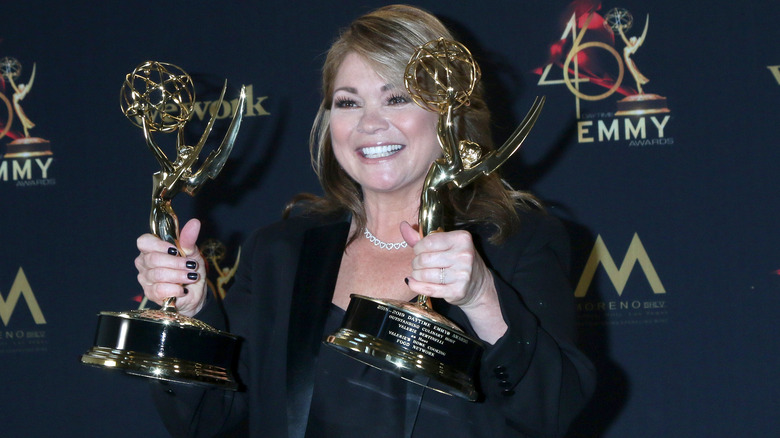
383, 245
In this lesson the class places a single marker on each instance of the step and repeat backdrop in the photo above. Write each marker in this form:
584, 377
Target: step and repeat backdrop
657, 147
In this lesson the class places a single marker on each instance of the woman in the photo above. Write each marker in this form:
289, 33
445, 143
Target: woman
500, 275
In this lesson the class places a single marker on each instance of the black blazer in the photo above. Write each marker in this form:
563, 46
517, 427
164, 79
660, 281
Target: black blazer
533, 381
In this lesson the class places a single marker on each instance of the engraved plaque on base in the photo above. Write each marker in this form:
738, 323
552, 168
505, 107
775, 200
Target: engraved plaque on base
411, 342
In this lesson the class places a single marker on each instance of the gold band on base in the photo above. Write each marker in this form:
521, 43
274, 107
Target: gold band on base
406, 364
173, 370
641, 105
28, 148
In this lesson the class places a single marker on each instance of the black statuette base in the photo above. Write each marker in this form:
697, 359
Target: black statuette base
163, 351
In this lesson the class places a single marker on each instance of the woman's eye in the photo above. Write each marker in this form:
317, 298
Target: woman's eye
343, 102
397, 100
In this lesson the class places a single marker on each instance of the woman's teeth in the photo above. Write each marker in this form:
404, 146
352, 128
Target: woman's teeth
380, 151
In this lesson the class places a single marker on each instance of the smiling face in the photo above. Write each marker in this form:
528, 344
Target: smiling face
382, 139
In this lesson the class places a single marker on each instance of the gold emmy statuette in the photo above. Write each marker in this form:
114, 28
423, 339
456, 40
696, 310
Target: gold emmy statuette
409, 338
620, 20
163, 344
219, 276
23, 146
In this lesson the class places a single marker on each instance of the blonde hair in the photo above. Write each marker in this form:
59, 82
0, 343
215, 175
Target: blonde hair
386, 38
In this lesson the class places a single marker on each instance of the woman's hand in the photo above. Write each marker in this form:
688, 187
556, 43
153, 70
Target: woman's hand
162, 273
447, 265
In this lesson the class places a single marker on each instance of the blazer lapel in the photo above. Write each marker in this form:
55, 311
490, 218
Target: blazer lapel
317, 271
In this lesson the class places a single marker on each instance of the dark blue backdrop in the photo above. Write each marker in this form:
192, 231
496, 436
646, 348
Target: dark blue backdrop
680, 312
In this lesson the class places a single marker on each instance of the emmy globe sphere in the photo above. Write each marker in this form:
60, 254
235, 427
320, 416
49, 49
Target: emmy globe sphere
439, 71
159, 93
618, 19
10, 68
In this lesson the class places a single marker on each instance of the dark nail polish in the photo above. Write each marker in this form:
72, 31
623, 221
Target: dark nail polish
191, 264
173, 251
192, 275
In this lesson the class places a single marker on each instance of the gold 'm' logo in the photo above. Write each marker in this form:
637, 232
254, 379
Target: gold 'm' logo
775, 69
619, 277
21, 287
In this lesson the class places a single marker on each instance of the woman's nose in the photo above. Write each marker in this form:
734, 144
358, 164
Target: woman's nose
372, 121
